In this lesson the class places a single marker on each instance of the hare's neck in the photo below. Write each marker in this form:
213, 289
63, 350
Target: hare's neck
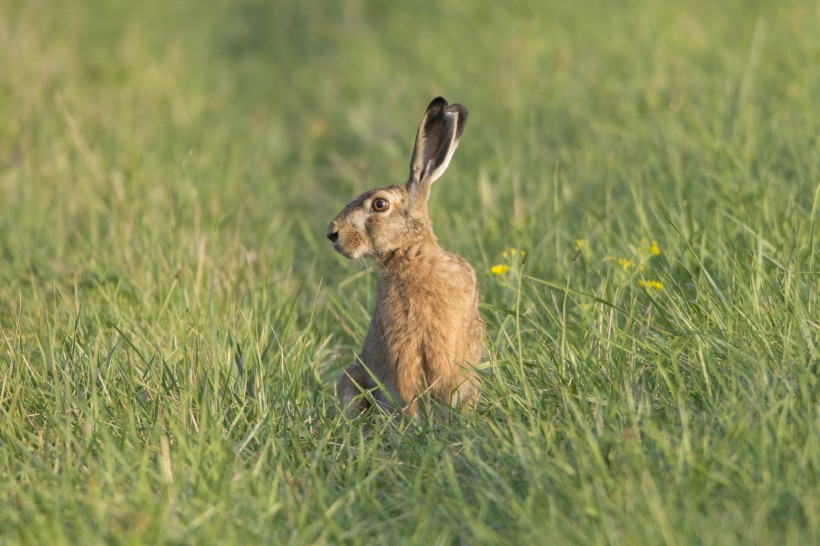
404, 256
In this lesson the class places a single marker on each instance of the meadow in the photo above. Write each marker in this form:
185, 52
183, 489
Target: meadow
638, 189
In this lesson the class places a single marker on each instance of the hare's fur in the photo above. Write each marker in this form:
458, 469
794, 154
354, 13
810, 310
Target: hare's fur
426, 334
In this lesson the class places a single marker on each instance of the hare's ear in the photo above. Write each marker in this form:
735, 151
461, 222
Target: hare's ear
436, 140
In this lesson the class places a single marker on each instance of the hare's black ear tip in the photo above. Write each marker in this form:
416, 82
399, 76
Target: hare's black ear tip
438, 102
462, 111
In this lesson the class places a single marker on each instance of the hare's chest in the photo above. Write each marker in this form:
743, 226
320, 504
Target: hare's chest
420, 305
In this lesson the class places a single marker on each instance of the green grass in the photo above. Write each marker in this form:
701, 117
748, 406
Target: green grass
172, 319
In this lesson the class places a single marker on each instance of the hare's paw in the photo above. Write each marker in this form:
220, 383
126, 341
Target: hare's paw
352, 389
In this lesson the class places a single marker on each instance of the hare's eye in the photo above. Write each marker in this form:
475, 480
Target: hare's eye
380, 205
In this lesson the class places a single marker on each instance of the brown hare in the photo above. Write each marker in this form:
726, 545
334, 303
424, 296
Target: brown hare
426, 334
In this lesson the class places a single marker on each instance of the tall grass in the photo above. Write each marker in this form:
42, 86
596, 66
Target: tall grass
172, 319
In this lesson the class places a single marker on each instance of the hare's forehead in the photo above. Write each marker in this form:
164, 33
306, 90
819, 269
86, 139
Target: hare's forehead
394, 194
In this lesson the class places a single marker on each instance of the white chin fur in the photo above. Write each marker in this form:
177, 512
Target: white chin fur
354, 254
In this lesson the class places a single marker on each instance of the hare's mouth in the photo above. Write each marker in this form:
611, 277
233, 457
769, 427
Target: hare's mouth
337, 245
349, 245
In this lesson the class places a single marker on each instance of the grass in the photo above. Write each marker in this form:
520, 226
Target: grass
172, 319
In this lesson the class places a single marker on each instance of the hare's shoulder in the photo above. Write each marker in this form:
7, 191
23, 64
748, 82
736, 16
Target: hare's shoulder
437, 275
457, 270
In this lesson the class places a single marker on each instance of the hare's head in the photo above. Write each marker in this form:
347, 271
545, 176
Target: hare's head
380, 221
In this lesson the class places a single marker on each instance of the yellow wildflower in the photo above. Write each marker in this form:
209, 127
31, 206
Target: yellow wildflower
580, 244
625, 263
654, 249
513, 251
499, 269
656, 285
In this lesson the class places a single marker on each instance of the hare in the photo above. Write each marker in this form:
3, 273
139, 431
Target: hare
426, 334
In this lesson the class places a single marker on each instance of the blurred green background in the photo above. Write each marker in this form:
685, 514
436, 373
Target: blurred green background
270, 115
173, 318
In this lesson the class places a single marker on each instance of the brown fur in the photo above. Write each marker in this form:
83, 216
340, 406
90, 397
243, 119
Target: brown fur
426, 334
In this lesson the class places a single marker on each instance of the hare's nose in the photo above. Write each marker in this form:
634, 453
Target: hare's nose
333, 236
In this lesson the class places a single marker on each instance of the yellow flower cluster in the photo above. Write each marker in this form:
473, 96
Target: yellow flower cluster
655, 285
509, 257
499, 269
625, 263
640, 261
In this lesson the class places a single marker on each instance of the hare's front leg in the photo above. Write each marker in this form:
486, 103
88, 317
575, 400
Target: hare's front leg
351, 389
